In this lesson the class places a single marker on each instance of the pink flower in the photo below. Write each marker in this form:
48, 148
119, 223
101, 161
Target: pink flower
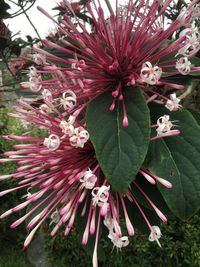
150, 74
183, 65
173, 103
79, 137
89, 179
120, 52
52, 142
67, 181
62, 167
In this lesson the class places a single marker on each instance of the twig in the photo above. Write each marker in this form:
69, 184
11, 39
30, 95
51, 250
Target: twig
24, 11
109, 7
17, 13
31, 23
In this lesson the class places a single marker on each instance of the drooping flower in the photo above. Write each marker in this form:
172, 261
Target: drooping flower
155, 235
67, 180
173, 103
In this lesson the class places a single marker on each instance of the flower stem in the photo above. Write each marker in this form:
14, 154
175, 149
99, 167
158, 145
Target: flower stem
109, 7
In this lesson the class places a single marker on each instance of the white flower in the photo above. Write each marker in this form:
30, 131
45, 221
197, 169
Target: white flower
89, 179
79, 137
52, 142
164, 125
100, 195
33, 72
191, 42
28, 193
67, 126
26, 124
150, 74
34, 84
118, 242
39, 59
155, 234
173, 103
68, 100
47, 95
45, 109
196, 11
183, 65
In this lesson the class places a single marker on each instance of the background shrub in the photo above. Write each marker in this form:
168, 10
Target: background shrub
180, 247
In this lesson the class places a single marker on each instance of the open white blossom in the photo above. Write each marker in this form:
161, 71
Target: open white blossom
164, 124
150, 74
155, 235
52, 142
173, 103
183, 65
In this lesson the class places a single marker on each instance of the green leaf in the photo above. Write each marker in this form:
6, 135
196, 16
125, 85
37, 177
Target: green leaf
119, 150
179, 79
152, 192
196, 62
196, 115
137, 218
177, 160
3, 10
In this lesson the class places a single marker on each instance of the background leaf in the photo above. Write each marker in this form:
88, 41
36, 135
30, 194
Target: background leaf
177, 159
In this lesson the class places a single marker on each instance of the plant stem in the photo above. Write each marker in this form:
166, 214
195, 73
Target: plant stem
31, 23
109, 7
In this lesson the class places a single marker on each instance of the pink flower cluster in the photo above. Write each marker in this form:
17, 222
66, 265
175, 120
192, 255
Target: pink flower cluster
61, 171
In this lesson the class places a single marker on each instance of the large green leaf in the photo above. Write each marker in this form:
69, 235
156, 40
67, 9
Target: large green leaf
196, 115
177, 159
119, 150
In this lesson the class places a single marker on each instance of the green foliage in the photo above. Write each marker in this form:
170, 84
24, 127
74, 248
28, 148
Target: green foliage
177, 159
3, 10
180, 248
11, 241
13, 259
120, 150
195, 61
